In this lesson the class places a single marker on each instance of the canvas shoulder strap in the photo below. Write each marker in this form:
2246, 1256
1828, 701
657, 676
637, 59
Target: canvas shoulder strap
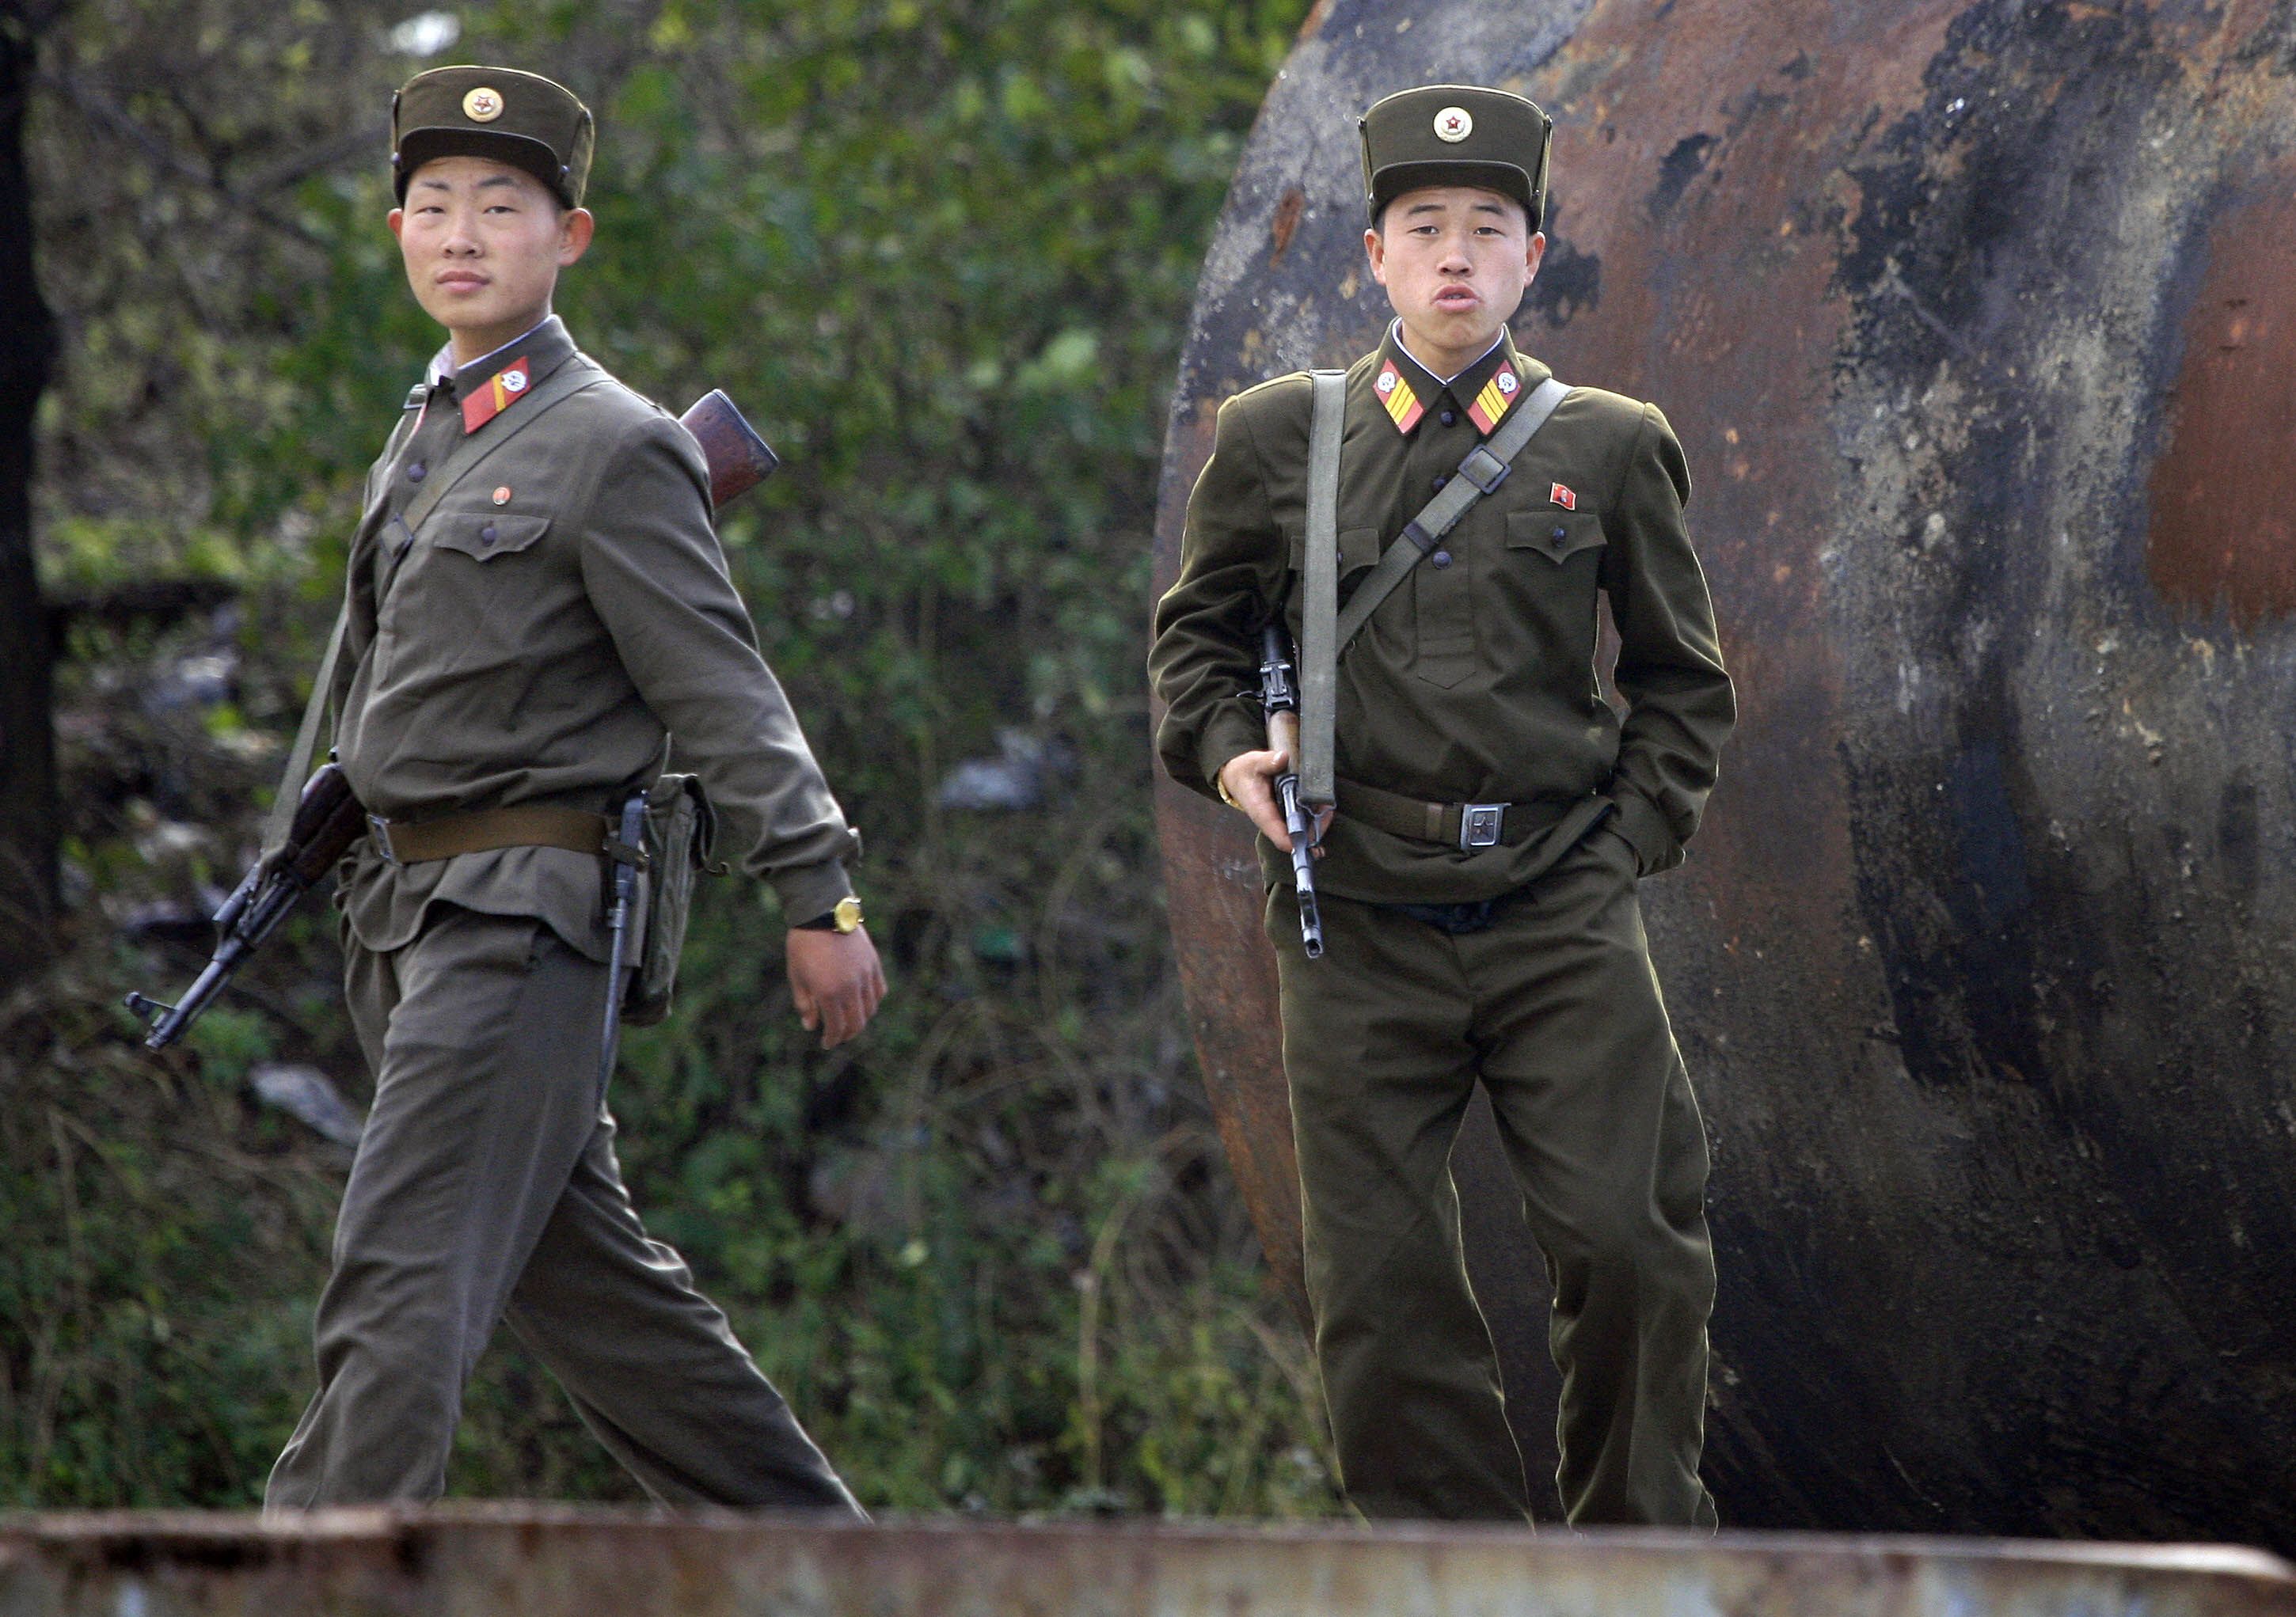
1320, 588
1484, 468
570, 378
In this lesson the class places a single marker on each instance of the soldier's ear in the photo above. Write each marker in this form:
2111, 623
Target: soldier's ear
575, 227
397, 219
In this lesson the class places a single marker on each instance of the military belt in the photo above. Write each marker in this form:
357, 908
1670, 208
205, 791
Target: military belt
533, 825
1464, 826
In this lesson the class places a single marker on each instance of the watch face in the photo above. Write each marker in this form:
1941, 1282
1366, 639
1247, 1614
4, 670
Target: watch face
847, 913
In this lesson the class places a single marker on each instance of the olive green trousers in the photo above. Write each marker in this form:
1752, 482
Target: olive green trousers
485, 1188
1555, 1009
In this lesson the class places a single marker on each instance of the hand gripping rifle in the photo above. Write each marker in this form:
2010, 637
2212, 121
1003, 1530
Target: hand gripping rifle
1279, 697
329, 816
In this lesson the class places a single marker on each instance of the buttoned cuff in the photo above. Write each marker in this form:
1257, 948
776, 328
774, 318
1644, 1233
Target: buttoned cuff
1646, 830
1231, 733
809, 892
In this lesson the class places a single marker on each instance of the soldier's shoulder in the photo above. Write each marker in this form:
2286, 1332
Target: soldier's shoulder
609, 403
1279, 407
1610, 412
615, 415
1279, 398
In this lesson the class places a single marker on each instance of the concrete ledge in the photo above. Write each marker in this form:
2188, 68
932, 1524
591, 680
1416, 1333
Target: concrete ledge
543, 1561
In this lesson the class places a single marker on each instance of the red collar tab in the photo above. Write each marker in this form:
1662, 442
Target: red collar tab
1395, 395
501, 390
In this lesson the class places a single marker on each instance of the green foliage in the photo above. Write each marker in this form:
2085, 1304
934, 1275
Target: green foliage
942, 255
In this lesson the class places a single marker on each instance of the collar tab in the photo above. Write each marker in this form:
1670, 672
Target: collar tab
1397, 396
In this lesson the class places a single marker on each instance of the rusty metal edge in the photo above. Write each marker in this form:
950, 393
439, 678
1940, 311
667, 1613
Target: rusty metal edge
63, 1530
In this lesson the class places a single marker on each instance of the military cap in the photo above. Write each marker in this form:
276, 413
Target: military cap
1455, 135
521, 118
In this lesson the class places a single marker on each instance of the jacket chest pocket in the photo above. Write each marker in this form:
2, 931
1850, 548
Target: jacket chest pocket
488, 535
1557, 535
456, 603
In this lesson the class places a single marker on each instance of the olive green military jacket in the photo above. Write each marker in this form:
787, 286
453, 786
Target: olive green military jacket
536, 637
1474, 681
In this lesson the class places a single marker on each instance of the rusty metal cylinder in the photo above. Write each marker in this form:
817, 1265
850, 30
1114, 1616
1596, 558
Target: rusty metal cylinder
1978, 322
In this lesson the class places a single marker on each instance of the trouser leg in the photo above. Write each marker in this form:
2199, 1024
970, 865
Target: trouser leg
652, 1365
485, 1179
1375, 1049
479, 1031
1596, 1112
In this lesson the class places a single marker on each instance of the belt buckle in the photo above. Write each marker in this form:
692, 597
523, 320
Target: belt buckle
378, 830
1480, 824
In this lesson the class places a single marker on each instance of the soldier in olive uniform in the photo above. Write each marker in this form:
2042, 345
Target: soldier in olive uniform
1504, 945
536, 599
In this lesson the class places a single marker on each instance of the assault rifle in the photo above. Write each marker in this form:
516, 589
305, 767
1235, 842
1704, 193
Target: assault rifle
1279, 699
329, 816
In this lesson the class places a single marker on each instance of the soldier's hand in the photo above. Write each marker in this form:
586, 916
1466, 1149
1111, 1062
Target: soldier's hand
836, 981
1250, 778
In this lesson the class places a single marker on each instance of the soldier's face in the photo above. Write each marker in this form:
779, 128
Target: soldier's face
1456, 261
483, 243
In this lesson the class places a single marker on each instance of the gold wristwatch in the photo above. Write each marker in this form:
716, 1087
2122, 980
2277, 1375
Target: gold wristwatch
845, 918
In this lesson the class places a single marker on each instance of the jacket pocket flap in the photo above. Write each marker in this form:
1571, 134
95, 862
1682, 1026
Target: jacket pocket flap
486, 533
1359, 548
1557, 535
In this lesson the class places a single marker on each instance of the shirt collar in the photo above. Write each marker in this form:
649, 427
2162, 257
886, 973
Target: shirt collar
1487, 389
544, 345
1394, 335
518, 364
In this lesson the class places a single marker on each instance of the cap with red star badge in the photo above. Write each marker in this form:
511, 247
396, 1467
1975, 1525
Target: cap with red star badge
1455, 135
521, 118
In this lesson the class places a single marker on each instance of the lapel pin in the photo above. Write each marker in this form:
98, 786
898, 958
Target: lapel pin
502, 495
1565, 498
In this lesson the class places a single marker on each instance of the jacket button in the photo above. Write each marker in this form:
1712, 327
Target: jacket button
487, 533
1449, 418
1562, 533
414, 472
1441, 478
1441, 558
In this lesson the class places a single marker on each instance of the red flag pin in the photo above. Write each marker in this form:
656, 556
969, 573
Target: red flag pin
1565, 498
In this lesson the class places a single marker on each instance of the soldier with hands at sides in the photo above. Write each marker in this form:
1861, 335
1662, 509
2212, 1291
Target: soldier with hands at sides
1493, 816
537, 601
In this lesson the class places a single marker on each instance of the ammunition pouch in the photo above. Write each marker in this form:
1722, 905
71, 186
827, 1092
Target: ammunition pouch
681, 830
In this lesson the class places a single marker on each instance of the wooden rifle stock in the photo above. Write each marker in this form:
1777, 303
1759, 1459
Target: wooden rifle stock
739, 459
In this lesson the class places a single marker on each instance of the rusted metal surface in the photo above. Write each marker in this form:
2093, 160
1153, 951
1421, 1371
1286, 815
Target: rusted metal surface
1977, 323
516, 1561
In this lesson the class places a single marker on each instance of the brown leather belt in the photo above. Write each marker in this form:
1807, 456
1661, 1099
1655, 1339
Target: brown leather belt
1464, 826
533, 825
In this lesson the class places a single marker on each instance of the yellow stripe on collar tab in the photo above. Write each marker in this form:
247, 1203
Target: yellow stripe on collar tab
1496, 398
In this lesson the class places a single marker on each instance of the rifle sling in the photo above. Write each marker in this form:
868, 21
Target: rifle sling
1484, 467
1320, 599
